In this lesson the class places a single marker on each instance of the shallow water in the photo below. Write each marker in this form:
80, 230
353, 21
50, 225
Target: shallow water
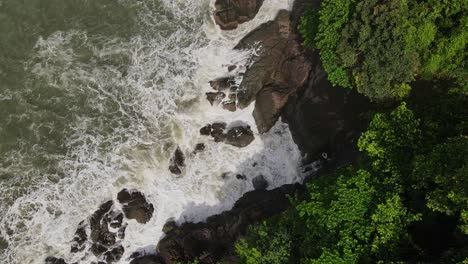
95, 96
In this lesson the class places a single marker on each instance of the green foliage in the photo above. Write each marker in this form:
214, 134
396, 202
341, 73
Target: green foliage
379, 47
443, 175
415, 174
334, 15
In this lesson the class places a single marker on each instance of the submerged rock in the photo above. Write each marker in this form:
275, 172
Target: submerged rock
177, 162
78, 242
230, 13
200, 147
135, 205
214, 240
54, 260
260, 183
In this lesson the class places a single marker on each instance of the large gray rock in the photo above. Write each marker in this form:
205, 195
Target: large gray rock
230, 13
280, 69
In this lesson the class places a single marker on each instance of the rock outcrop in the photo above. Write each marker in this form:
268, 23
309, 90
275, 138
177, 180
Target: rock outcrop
135, 206
239, 135
177, 162
102, 233
279, 69
230, 13
214, 240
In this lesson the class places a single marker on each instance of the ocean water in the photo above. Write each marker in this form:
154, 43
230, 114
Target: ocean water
95, 95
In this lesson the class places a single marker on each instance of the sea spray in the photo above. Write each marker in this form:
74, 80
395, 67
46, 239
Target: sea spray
116, 106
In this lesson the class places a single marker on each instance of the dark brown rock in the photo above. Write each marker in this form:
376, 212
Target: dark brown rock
169, 226
135, 206
222, 84
230, 106
115, 254
260, 183
215, 98
200, 147
80, 238
214, 239
231, 68
239, 136
280, 69
206, 130
230, 13
54, 260
177, 162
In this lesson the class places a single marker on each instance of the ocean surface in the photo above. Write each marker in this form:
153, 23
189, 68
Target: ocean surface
95, 95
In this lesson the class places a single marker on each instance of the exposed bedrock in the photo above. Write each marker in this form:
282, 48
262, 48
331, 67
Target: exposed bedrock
230, 13
213, 240
102, 233
237, 134
278, 70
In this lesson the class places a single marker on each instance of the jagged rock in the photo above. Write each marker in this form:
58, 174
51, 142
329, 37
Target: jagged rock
230, 13
222, 84
98, 249
177, 162
230, 106
78, 242
121, 231
147, 260
260, 183
217, 131
215, 98
239, 136
135, 206
115, 219
280, 69
54, 260
115, 254
214, 239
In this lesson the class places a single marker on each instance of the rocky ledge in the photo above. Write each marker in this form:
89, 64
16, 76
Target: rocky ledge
230, 13
213, 241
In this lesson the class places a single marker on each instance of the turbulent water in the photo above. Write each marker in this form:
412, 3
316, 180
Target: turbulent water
95, 95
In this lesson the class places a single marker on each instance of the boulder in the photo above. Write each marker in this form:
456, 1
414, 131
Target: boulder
223, 83
115, 254
200, 147
230, 13
213, 240
280, 69
169, 226
206, 130
239, 136
260, 183
135, 206
230, 106
177, 162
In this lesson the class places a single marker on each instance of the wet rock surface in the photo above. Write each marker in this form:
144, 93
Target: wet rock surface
230, 13
177, 162
135, 205
102, 233
214, 240
238, 135
280, 69
259, 183
147, 260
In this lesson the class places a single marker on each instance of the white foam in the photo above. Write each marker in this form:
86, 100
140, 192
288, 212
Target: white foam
162, 100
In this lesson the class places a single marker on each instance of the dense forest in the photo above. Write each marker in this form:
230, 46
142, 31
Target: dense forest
406, 200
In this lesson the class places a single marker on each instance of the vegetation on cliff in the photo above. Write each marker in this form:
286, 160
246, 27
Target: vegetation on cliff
380, 47
406, 202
